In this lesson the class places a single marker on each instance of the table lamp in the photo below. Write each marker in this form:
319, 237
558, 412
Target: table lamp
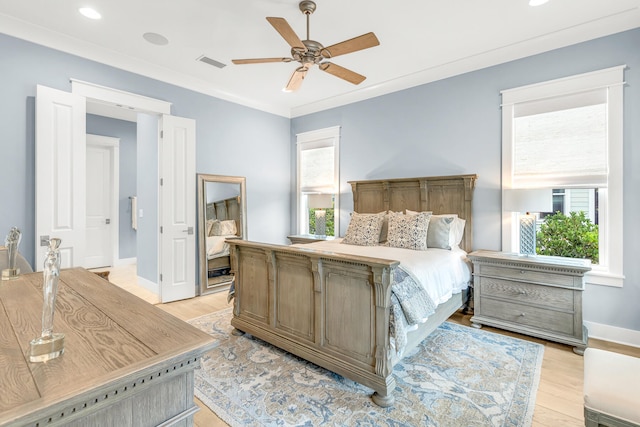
527, 201
320, 202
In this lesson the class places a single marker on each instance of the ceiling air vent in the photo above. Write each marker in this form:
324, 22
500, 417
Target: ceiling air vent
210, 61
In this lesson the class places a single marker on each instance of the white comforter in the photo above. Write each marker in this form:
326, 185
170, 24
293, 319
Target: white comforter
441, 272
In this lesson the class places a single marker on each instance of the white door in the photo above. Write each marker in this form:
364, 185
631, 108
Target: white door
60, 174
177, 208
102, 201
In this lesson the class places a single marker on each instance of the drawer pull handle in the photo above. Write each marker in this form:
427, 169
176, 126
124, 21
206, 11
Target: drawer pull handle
523, 292
521, 314
522, 271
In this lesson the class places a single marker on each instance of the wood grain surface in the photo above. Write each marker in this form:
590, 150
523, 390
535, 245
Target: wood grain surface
112, 338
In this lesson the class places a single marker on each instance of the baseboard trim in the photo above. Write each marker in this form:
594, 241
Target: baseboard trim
149, 285
125, 261
613, 334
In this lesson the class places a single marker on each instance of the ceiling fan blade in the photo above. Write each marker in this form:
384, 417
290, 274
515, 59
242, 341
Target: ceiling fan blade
364, 41
260, 60
282, 26
343, 73
295, 81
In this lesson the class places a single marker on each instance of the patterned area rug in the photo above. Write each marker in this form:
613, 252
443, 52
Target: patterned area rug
459, 376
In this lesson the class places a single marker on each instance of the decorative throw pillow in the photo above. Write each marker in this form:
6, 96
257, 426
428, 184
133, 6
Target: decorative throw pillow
224, 228
364, 229
445, 230
210, 226
440, 231
408, 231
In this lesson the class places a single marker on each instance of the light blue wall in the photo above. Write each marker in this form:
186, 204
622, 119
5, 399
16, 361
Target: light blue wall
231, 139
126, 131
453, 126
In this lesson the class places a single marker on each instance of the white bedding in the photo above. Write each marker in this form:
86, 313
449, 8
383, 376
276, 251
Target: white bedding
441, 272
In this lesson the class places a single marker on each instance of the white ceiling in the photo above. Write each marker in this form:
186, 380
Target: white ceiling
420, 40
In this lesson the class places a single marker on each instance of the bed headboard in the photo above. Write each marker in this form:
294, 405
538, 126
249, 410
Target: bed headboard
440, 194
224, 210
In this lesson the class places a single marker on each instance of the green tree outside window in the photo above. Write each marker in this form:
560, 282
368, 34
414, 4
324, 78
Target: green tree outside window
572, 236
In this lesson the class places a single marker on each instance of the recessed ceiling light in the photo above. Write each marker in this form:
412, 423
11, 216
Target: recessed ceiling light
90, 13
537, 2
155, 38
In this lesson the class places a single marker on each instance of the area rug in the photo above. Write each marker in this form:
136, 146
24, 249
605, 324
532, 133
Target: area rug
459, 376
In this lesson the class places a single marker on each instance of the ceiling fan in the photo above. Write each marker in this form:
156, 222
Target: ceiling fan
309, 52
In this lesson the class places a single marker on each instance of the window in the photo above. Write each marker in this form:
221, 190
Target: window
318, 167
566, 135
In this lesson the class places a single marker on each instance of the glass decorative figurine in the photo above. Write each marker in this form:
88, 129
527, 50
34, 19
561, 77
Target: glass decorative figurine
49, 345
12, 242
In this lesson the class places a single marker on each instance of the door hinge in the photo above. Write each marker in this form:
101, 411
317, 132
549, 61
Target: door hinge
161, 134
161, 181
161, 277
161, 229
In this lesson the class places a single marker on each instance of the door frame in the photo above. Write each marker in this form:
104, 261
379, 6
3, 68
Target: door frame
125, 105
113, 144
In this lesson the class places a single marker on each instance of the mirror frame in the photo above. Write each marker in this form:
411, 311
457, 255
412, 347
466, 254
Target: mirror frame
203, 179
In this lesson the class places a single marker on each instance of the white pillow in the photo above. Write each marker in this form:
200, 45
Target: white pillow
364, 229
408, 231
458, 232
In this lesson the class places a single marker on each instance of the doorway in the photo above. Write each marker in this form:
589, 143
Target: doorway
102, 195
61, 203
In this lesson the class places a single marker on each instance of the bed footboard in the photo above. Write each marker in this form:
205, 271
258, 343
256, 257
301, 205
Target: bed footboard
330, 309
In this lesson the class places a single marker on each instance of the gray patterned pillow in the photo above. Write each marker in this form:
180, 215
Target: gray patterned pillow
364, 229
408, 231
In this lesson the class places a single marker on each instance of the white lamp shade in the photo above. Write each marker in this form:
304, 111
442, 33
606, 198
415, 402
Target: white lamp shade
528, 200
320, 201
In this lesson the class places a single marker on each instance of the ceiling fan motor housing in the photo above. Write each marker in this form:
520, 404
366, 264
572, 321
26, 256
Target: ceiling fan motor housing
313, 54
307, 7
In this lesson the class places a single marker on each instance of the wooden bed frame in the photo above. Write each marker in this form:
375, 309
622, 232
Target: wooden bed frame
333, 309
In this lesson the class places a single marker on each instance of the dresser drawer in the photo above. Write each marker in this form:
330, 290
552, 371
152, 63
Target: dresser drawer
551, 278
526, 293
524, 315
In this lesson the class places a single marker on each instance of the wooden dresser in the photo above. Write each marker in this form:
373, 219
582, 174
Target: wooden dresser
125, 362
539, 296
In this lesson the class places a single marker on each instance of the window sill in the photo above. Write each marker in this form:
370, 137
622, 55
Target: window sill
604, 278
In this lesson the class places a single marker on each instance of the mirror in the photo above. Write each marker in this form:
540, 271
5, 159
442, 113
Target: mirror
222, 213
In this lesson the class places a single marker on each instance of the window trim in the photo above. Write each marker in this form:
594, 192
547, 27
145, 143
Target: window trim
610, 273
315, 139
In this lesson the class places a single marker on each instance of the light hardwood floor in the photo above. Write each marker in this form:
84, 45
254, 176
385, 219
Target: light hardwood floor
558, 402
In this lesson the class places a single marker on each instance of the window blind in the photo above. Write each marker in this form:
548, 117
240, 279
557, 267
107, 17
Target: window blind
561, 142
317, 169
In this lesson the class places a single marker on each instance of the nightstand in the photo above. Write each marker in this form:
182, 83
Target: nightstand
308, 238
539, 295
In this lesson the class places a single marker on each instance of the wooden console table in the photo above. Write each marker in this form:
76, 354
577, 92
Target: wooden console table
125, 362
